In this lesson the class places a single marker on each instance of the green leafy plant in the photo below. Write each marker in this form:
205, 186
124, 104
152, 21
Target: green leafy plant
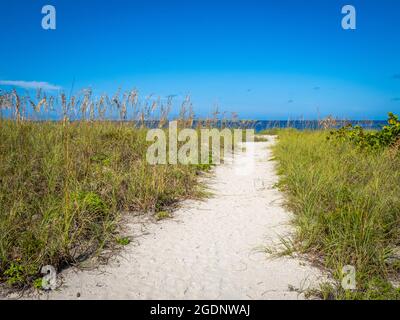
163, 215
14, 274
91, 202
388, 136
38, 283
123, 241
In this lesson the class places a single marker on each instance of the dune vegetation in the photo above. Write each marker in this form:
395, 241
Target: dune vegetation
344, 189
64, 184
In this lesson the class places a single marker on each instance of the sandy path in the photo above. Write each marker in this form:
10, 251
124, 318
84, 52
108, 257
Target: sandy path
209, 250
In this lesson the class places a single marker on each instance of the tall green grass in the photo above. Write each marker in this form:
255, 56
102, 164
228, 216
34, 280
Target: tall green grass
347, 209
64, 185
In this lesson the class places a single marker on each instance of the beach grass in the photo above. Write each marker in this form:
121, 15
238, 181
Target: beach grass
64, 186
65, 183
346, 205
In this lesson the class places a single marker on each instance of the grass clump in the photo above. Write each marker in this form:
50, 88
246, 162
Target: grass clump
258, 138
123, 241
63, 186
162, 215
64, 183
346, 202
269, 132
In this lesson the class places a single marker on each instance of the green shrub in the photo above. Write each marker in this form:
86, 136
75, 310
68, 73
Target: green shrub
388, 136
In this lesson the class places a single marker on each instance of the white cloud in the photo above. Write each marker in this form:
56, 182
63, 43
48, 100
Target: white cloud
30, 84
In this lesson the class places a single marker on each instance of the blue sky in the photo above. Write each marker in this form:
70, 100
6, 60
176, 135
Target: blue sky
262, 59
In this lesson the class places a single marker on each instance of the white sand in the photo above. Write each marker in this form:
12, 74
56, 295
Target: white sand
209, 250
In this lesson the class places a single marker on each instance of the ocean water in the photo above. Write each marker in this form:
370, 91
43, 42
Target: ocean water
259, 125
